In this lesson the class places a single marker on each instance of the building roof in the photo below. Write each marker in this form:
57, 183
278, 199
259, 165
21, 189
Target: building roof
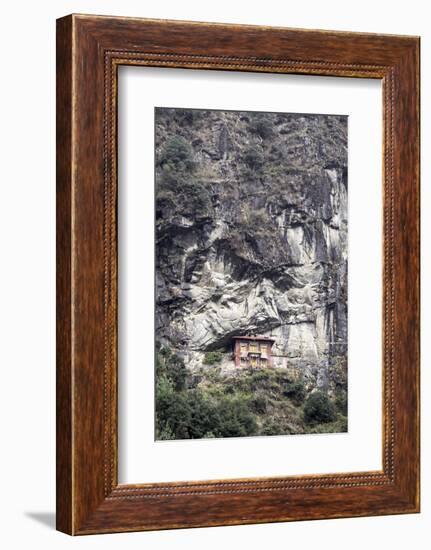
254, 338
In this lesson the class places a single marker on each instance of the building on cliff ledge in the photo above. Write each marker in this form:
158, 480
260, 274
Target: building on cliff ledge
252, 351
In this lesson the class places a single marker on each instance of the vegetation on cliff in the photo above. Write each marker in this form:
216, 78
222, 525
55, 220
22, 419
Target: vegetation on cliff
251, 238
208, 404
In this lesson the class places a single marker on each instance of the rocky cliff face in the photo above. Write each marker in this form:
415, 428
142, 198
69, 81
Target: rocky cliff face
251, 236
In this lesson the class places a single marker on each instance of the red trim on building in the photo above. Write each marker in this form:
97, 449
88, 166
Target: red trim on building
260, 338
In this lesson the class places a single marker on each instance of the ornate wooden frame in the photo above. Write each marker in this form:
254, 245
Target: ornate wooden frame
89, 51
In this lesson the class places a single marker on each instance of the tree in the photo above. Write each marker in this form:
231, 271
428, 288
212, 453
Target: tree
177, 155
319, 409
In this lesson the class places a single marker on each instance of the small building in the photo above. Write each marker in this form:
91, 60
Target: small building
252, 351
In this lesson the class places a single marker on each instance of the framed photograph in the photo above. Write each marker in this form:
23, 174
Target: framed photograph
237, 274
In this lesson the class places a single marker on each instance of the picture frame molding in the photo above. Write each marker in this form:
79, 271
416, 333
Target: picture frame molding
89, 51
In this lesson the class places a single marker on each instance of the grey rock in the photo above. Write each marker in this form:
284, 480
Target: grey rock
251, 237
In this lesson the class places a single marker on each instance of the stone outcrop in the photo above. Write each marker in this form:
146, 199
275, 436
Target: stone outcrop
251, 236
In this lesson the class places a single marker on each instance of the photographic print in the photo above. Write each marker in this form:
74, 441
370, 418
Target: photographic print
251, 231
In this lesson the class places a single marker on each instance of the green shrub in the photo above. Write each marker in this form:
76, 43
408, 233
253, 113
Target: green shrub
335, 427
235, 418
192, 414
181, 193
277, 426
259, 404
254, 159
282, 424
342, 424
184, 412
341, 402
208, 404
203, 414
171, 368
272, 427
261, 379
177, 155
319, 409
186, 116
295, 391
262, 127
212, 357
